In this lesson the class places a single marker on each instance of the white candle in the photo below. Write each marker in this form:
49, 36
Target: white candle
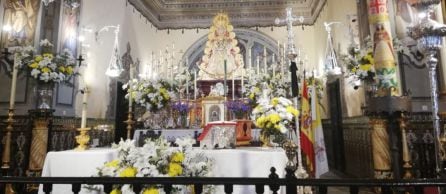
195, 86
258, 64
265, 60
84, 108
233, 86
14, 81
187, 85
249, 58
130, 85
242, 80
274, 65
278, 47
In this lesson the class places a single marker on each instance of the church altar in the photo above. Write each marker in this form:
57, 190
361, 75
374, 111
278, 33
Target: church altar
240, 162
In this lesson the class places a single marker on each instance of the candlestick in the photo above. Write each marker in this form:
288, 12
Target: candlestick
84, 108
258, 64
224, 107
14, 81
265, 61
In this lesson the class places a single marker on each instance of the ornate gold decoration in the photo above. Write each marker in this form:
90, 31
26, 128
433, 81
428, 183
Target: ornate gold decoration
406, 155
265, 139
6, 158
290, 149
380, 146
82, 139
39, 144
129, 123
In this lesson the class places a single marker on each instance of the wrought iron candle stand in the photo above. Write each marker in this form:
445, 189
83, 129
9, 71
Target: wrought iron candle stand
429, 36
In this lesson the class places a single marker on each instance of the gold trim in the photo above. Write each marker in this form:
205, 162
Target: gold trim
380, 18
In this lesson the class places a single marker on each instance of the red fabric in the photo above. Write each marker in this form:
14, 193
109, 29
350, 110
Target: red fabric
209, 126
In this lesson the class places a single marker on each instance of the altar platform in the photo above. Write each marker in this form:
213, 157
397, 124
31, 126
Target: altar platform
240, 162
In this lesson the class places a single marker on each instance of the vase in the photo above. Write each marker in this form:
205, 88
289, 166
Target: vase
182, 121
44, 94
265, 138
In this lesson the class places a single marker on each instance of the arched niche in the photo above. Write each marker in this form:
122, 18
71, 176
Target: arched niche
246, 39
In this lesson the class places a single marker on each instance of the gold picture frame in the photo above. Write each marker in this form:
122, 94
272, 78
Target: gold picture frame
213, 109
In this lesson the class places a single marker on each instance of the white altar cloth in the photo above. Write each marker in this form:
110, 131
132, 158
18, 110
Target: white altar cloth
74, 164
240, 162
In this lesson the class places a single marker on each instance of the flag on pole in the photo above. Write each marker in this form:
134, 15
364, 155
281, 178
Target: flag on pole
319, 144
306, 133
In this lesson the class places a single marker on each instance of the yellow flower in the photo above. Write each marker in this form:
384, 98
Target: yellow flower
366, 67
128, 172
69, 70
260, 122
275, 101
277, 126
164, 93
292, 110
151, 190
178, 157
274, 118
46, 70
113, 163
175, 169
33, 65
115, 191
48, 55
38, 58
256, 89
62, 69
251, 96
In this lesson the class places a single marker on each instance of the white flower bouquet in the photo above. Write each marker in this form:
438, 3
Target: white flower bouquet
156, 159
152, 94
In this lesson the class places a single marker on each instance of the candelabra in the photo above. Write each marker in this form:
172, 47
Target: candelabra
429, 34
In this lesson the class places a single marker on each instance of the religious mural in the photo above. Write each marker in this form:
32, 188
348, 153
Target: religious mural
21, 18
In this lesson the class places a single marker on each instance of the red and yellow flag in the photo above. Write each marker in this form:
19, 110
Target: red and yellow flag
306, 131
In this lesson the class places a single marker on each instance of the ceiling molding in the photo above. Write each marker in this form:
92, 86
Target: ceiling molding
187, 14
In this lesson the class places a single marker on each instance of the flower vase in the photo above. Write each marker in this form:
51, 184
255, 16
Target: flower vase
44, 94
182, 121
265, 138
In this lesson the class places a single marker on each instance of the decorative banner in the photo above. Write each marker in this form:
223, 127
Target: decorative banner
386, 77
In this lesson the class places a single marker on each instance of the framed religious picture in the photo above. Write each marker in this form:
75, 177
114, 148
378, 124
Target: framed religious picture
213, 109
19, 20
68, 40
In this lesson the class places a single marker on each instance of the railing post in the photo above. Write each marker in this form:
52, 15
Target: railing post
198, 188
228, 188
137, 188
418, 190
47, 188
108, 188
260, 189
273, 176
76, 188
354, 190
291, 187
322, 190
168, 188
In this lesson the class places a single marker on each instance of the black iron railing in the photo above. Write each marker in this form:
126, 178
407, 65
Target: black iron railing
290, 183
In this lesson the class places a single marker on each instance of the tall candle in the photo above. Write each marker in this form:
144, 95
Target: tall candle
131, 87
258, 64
274, 65
278, 47
249, 59
195, 86
187, 85
84, 108
265, 60
225, 77
233, 86
243, 82
14, 81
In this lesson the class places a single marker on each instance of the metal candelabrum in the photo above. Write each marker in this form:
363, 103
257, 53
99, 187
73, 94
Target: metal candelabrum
429, 34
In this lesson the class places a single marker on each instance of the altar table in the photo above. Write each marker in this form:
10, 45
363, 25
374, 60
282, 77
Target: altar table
240, 162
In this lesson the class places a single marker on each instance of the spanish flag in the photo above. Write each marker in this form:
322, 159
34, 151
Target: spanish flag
306, 132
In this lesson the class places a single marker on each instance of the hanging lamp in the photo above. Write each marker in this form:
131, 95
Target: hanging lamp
115, 66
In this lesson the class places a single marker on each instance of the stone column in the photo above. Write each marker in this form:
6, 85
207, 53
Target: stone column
386, 70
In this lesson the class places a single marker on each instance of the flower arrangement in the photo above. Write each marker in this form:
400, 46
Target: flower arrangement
153, 94
24, 54
261, 83
156, 159
48, 68
181, 107
275, 115
238, 107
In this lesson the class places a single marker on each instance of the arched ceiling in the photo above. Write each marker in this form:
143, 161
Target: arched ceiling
177, 14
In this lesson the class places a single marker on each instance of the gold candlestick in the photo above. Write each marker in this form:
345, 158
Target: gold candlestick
6, 158
129, 123
83, 139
